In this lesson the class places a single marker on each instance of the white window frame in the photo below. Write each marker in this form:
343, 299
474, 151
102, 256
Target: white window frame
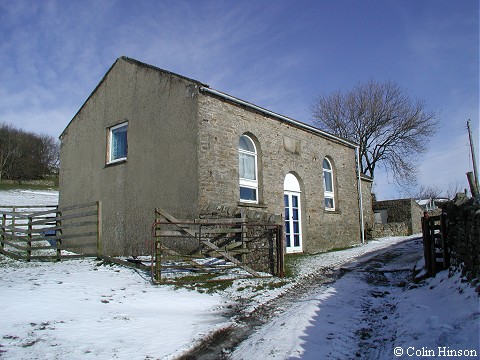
111, 130
248, 183
328, 194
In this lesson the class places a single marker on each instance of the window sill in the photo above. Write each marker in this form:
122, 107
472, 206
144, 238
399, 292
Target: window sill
252, 205
116, 162
338, 212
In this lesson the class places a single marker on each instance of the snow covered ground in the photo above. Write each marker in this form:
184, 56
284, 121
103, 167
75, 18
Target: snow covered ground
78, 309
85, 309
28, 197
372, 313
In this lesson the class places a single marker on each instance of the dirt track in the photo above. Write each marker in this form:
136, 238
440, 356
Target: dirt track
369, 267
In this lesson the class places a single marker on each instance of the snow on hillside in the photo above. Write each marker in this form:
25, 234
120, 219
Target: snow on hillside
28, 197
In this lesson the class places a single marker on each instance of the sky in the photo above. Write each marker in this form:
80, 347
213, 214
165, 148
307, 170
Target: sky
280, 55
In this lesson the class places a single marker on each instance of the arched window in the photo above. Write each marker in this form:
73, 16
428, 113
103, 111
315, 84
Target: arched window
329, 192
247, 169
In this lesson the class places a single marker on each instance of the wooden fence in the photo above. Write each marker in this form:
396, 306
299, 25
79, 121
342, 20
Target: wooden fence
435, 243
214, 249
50, 233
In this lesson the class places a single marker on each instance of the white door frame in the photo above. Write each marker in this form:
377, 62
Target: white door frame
293, 215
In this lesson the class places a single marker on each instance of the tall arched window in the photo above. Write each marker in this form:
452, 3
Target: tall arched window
329, 192
248, 172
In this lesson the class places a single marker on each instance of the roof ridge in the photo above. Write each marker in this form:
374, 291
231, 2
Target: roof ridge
150, 66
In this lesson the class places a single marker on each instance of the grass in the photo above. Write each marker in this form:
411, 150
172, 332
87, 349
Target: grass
44, 184
291, 260
339, 248
206, 284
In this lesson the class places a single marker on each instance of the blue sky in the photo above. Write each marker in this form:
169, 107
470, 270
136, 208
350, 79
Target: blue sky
280, 55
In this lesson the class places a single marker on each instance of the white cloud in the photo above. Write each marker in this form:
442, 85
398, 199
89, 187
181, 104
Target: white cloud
49, 121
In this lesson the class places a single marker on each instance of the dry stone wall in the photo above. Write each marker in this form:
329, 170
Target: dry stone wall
463, 216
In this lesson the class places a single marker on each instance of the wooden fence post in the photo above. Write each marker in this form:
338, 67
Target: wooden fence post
30, 235
425, 233
280, 252
13, 220
243, 257
4, 223
158, 256
433, 255
58, 231
157, 249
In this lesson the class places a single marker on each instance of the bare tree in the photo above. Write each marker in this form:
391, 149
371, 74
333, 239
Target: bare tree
391, 129
437, 192
428, 192
9, 148
25, 155
453, 189
50, 156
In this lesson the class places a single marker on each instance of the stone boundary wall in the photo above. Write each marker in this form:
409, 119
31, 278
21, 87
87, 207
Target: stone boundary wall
390, 229
463, 216
403, 218
212, 211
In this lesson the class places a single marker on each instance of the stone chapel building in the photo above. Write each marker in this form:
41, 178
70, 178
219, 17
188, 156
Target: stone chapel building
148, 138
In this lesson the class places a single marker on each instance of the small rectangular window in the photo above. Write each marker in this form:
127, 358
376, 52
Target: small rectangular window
329, 204
327, 176
247, 168
248, 194
117, 143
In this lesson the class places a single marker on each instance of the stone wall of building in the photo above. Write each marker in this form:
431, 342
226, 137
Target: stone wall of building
398, 210
367, 202
283, 148
402, 211
416, 216
463, 217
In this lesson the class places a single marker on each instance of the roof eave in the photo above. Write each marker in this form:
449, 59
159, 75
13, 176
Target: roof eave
280, 117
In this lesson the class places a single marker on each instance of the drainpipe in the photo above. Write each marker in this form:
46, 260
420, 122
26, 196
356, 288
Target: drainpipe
360, 198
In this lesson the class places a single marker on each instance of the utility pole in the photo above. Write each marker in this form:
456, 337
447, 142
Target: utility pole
474, 160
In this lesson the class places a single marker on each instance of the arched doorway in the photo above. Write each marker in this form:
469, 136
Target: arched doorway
293, 215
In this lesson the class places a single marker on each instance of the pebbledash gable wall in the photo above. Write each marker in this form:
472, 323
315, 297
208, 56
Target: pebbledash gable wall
161, 165
283, 148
